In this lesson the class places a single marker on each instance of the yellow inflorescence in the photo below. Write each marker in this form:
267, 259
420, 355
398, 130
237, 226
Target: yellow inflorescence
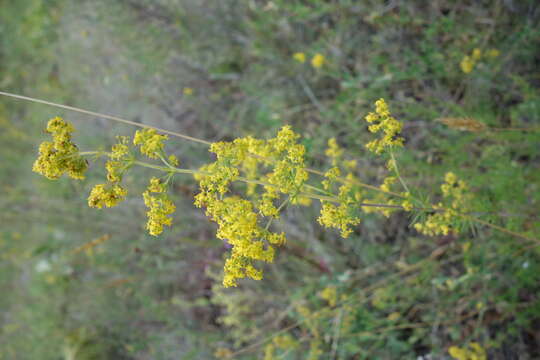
469, 62
339, 217
382, 120
112, 193
407, 204
114, 170
475, 351
160, 207
106, 195
454, 191
121, 149
150, 142
61, 155
300, 57
237, 218
342, 214
329, 294
318, 61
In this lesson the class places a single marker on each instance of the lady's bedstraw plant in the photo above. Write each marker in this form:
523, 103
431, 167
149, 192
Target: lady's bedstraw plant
274, 175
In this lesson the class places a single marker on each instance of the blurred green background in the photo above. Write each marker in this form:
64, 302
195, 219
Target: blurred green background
401, 295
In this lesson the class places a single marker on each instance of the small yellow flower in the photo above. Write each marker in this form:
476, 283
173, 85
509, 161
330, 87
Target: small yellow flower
381, 120
114, 170
476, 54
329, 294
120, 149
479, 306
106, 195
473, 352
160, 206
300, 57
454, 191
493, 53
337, 216
318, 61
188, 91
407, 205
467, 64
173, 160
61, 155
150, 142
458, 353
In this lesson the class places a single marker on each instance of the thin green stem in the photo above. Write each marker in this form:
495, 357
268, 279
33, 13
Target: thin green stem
317, 189
280, 207
105, 116
85, 153
396, 170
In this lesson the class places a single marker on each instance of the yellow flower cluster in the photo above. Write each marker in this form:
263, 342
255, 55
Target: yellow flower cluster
112, 193
150, 142
454, 191
329, 294
381, 119
317, 61
60, 155
339, 217
300, 57
468, 62
118, 163
407, 203
121, 149
238, 218
114, 170
288, 174
238, 225
108, 195
474, 352
343, 214
160, 206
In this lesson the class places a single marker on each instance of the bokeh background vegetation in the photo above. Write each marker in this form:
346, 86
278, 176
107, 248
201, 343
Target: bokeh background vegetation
77, 283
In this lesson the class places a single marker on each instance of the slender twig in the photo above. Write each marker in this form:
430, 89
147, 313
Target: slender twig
105, 116
396, 170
